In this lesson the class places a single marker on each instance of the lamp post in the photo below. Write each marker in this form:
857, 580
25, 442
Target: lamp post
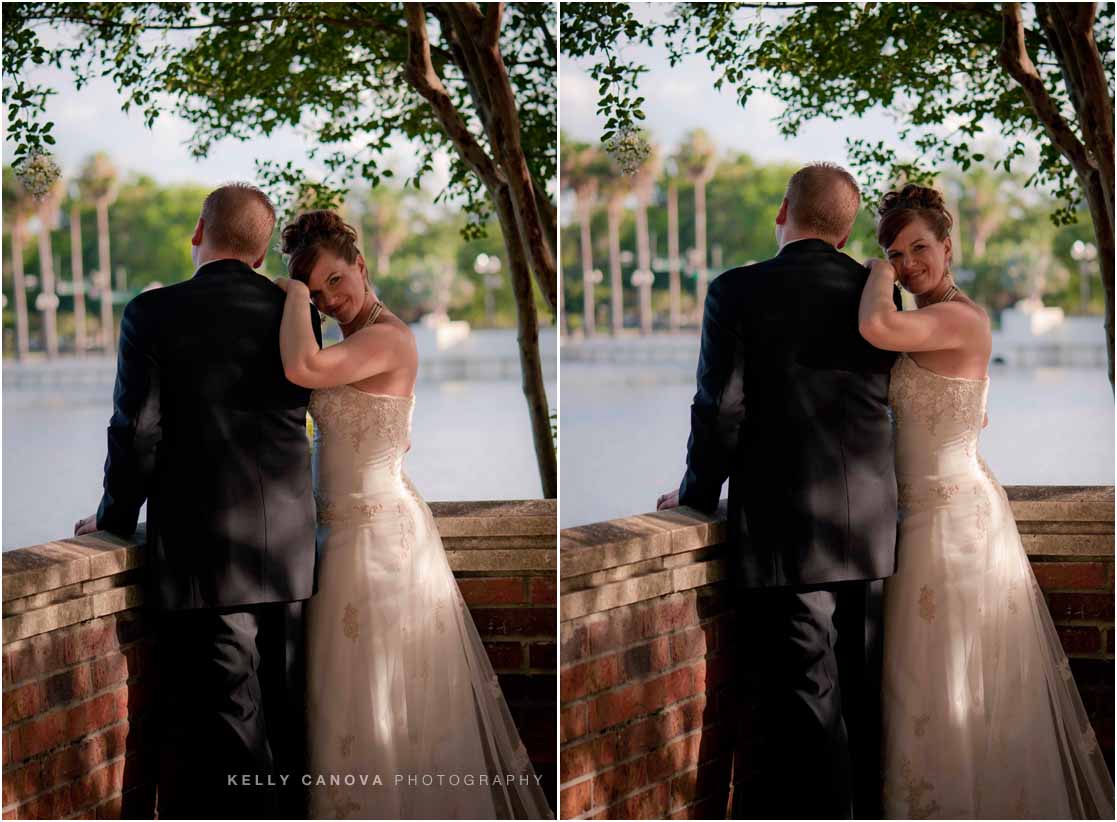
488, 267
1084, 254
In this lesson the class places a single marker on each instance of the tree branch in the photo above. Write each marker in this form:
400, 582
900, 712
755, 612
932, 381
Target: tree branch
424, 79
1013, 56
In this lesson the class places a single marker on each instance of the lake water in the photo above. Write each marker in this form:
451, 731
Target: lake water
471, 440
625, 427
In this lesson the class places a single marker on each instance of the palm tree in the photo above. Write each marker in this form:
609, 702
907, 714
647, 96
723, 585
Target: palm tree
697, 159
643, 186
77, 269
582, 171
47, 301
98, 185
616, 189
19, 205
673, 272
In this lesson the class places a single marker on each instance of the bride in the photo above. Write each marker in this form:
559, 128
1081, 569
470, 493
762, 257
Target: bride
406, 719
982, 718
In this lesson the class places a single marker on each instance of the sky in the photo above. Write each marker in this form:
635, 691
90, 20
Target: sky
682, 98
92, 120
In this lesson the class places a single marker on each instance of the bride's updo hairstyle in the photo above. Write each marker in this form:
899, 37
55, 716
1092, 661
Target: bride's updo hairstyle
310, 234
899, 208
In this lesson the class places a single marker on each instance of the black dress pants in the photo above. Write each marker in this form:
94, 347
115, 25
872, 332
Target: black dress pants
231, 712
810, 665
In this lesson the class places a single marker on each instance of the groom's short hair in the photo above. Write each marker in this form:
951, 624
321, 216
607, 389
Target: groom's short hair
823, 198
239, 218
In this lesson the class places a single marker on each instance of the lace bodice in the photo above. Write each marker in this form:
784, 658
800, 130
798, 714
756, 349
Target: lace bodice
359, 443
938, 424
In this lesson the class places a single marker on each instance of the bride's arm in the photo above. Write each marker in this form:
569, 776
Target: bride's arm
933, 328
370, 351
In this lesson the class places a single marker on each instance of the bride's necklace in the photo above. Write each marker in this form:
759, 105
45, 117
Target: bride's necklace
950, 294
377, 307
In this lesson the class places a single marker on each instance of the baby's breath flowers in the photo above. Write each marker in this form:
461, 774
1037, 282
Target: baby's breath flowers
629, 148
38, 174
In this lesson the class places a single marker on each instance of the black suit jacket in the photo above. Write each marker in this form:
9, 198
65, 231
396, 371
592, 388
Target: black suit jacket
208, 430
792, 407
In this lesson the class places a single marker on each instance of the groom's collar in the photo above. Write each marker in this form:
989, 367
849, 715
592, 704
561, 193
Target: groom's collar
806, 244
225, 267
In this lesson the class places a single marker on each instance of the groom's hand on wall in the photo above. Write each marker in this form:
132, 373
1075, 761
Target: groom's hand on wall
85, 526
668, 500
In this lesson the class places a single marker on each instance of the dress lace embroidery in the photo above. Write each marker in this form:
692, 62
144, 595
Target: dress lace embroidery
349, 625
927, 604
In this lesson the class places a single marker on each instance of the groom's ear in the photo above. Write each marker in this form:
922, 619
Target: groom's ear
842, 242
781, 215
199, 229
260, 261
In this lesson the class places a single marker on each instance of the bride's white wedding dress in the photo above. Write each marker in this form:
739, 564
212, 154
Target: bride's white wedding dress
982, 718
400, 690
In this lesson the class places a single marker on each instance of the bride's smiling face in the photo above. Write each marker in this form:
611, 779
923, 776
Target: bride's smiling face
337, 287
919, 257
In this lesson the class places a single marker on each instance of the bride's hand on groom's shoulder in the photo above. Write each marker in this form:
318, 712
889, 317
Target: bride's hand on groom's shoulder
285, 284
668, 500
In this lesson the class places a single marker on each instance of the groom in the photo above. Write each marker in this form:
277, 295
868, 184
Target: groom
792, 407
207, 429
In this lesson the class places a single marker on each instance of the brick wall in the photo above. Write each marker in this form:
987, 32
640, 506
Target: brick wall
648, 711
78, 737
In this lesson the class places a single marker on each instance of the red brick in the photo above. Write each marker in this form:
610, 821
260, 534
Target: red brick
40, 734
641, 661
690, 644
651, 804
505, 656
109, 670
98, 785
492, 590
578, 760
53, 805
23, 701
544, 591
111, 808
7, 669
575, 644
671, 759
1079, 640
1071, 575
614, 783
542, 655
104, 709
573, 722
575, 800
506, 622
672, 613
1081, 606
45, 653
591, 677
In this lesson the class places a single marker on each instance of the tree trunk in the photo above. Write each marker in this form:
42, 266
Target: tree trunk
46, 272
1069, 31
616, 283
585, 216
19, 286
700, 243
1103, 236
78, 271
422, 76
104, 276
644, 263
674, 280
531, 367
